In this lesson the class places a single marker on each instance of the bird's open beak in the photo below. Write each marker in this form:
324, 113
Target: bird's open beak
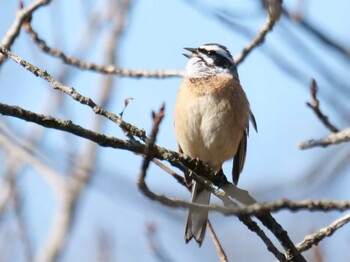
192, 50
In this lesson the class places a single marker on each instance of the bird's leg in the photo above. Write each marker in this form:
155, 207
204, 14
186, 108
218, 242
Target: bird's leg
188, 175
220, 178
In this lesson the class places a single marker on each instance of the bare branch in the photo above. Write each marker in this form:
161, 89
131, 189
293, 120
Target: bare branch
332, 139
175, 159
315, 106
240, 195
253, 226
316, 237
162, 153
15, 28
176, 203
274, 10
316, 32
177, 177
129, 129
103, 69
217, 244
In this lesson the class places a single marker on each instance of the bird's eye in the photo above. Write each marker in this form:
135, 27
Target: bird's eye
207, 52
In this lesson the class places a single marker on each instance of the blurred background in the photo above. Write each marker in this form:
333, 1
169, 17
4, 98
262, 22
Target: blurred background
113, 221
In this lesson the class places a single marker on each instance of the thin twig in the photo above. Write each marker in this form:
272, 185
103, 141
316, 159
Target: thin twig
332, 139
103, 69
316, 32
316, 237
14, 30
217, 244
157, 118
273, 13
315, 106
171, 172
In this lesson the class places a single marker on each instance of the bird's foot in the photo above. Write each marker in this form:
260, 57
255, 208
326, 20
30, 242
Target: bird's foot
220, 179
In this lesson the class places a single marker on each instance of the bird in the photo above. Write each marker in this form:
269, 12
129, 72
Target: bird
211, 122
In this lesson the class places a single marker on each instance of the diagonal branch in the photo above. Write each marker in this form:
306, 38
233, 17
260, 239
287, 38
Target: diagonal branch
128, 129
170, 202
179, 161
15, 28
274, 10
217, 244
315, 106
316, 237
317, 33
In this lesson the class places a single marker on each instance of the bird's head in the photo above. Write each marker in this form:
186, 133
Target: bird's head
210, 59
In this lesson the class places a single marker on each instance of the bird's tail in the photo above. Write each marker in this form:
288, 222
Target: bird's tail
197, 217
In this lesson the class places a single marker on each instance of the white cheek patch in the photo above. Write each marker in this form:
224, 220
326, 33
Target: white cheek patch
209, 60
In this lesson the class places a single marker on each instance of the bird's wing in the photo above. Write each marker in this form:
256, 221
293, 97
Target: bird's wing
239, 159
252, 120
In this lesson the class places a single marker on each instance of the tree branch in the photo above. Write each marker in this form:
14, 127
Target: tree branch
317, 33
217, 244
15, 28
128, 129
315, 106
103, 69
319, 235
177, 160
174, 158
274, 10
332, 139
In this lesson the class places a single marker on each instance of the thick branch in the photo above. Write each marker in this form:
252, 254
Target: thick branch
177, 160
174, 158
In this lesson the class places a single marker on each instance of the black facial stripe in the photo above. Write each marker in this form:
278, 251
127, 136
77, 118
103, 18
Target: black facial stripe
222, 62
207, 52
219, 60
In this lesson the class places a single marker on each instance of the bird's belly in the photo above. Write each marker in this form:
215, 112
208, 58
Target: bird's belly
212, 132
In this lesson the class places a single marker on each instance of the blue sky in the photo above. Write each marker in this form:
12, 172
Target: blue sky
156, 34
